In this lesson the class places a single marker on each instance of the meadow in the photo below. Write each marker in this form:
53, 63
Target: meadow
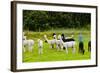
51, 54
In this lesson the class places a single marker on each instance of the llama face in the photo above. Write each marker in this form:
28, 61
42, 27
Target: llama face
59, 36
24, 37
54, 36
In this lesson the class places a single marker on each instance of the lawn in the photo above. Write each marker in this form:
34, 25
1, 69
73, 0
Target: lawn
51, 54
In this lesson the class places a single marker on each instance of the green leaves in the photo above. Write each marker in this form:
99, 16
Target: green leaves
45, 20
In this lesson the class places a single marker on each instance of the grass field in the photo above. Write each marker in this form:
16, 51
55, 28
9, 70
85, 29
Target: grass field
52, 54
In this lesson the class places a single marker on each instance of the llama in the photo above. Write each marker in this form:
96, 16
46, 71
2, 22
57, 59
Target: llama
28, 43
51, 42
66, 39
67, 44
57, 42
40, 46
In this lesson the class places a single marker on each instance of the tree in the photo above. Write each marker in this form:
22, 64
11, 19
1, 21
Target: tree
44, 20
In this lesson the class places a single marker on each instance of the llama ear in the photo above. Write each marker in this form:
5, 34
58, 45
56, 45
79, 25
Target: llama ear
54, 34
45, 36
38, 40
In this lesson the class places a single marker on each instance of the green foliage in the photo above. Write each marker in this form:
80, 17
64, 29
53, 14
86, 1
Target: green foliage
45, 20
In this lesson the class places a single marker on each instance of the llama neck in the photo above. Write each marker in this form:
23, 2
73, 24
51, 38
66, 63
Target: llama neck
46, 39
61, 41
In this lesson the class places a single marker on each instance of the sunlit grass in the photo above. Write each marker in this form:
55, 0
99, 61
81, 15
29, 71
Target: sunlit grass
52, 54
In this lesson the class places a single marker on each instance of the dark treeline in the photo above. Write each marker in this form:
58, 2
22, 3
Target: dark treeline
46, 20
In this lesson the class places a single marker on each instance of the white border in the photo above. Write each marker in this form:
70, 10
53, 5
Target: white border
21, 65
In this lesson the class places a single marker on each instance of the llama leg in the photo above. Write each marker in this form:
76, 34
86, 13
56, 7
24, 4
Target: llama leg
24, 50
50, 46
66, 50
30, 48
74, 50
40, 50
57, 47
61, 48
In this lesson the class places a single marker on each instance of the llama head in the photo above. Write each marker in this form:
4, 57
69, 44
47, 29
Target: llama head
54, 36
24, 37
23, 33
45, 36
59, 36
62, 35
72, 36
38, 40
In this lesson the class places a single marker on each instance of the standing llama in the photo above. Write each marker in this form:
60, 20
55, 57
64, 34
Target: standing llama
68, 43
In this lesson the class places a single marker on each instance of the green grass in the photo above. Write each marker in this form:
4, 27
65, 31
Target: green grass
52, 54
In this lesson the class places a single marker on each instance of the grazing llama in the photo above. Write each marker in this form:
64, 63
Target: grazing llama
51, 42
